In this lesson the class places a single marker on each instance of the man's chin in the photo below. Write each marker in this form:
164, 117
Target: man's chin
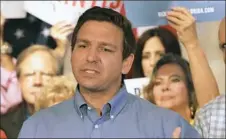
90, 88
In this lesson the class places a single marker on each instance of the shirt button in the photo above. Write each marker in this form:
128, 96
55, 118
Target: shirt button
112, 116
81, 116
96, 126
89, 108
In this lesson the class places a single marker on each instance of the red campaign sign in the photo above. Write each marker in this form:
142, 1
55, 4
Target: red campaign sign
116, 5
51, 11
111, 4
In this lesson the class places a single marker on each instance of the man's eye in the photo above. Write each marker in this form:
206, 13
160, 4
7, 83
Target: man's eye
107, 50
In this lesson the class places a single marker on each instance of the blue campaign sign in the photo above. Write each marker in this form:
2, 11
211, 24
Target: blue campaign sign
152, 13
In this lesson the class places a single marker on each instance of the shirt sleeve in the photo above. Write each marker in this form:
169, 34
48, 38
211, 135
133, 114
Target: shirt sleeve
188, 131
34, 127
28, 130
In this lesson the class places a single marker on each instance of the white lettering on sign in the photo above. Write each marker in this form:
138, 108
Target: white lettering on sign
55, 11
192, 10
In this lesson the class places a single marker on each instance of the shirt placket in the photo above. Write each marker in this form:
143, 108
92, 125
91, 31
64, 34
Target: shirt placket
97, 121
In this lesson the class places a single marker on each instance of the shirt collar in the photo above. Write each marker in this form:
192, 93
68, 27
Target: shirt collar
116, 103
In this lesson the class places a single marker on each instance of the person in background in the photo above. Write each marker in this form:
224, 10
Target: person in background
210, 119
205, 85
103, 47
35, 66
151, 46
10, 91
58, 89
171, 86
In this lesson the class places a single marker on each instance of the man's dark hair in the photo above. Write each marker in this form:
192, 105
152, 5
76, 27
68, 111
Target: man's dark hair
111, 16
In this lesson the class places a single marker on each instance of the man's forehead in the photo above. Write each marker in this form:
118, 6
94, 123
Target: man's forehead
39, 55
39, 59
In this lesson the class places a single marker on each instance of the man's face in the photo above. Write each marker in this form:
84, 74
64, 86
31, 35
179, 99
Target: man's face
36, 70
97, 61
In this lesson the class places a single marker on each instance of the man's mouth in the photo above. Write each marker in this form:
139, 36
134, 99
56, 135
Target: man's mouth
91, 71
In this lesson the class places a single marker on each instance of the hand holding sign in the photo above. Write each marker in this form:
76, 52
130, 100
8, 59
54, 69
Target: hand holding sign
152, 13
60, 32
184, 23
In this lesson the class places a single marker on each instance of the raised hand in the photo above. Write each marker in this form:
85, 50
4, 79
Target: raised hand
61, 30
184, 23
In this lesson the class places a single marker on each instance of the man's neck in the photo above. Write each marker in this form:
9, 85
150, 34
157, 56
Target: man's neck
98, 99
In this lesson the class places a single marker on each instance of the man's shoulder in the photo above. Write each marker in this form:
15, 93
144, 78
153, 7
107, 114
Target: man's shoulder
55, 112
164, 120
148, 107
151, 112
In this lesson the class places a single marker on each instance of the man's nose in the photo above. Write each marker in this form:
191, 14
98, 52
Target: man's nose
92, 55
38, 79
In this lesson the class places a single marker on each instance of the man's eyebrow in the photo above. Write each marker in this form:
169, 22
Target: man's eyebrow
108, 44
82, 40
101, 43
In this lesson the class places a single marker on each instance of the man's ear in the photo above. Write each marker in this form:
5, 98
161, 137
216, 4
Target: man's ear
127, 64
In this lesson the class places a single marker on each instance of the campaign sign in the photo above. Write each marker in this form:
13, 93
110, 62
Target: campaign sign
135, 86
56, 11
153, 13
13, 9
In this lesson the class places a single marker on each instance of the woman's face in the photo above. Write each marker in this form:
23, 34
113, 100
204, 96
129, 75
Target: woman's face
152, 52
170, 90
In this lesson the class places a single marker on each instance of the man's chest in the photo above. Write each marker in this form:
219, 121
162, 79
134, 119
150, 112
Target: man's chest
86, 128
